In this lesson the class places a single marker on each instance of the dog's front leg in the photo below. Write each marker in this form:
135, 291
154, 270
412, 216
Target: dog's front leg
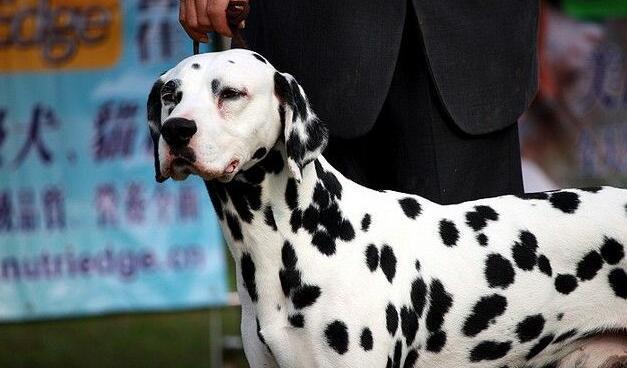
257, 352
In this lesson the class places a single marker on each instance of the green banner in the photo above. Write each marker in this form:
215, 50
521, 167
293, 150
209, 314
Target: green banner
596, 9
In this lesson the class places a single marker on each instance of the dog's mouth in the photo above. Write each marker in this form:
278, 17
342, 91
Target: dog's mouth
181, 168
183, 165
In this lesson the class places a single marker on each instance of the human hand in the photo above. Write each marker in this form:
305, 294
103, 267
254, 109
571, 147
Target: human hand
199, 17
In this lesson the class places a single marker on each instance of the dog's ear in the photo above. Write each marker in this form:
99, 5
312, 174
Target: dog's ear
153, 114
305, 135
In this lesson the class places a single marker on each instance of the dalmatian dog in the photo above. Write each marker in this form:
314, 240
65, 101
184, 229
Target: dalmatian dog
333, 274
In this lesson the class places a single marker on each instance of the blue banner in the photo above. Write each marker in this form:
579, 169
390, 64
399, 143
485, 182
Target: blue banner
84, 228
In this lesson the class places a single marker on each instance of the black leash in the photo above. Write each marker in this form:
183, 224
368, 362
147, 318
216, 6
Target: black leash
236, 14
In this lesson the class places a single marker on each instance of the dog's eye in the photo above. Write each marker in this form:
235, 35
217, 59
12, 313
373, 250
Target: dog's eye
170, 92
231, 94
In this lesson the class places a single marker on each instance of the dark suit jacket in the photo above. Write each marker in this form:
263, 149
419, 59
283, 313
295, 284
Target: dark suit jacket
482, 55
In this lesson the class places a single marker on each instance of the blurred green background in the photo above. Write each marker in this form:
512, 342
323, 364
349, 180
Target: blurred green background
139, 340
175, 339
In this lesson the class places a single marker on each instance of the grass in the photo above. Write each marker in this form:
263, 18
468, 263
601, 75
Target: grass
147, 340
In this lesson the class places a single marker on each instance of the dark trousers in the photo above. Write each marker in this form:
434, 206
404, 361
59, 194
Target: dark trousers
414, 147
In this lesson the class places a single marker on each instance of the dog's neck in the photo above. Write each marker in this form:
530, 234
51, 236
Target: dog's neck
264, 207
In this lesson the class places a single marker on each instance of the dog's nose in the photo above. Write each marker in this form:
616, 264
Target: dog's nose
178, 131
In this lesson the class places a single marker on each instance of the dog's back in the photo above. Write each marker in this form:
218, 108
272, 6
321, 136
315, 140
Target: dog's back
518, 280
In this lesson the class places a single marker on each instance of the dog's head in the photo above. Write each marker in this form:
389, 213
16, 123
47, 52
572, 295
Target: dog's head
216, 114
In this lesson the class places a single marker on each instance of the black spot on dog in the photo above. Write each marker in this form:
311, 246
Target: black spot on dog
391, 319
170, 93
418, 295
296, 220
436, 341
544, 265
365, 222
319, 168
324, 243
195, 66
290, 279
289, 276
591, 189
269, 218
499, 271
346, 231
282, 87
215, 86
248, 198
539, 346
248, 275
560, 316
272, 163
291, 194
294, 146
260, 58
254, 175
478, 219
417, 264
612, 251
537, 195
567, 202
565, 283
316, 137
336, 225
482, 239
234, 226
439, 305
288, 255
216, 201
297, 320
398, 352
331, 183
331, 219
550, 365
321, 196
259, 153
231, 61
618, 282
153, 113
372, 257
336, 334
524, 251
311, 218
388, 262
389, 363
410, 207
245, 198
365, 340
490, 350
305, 296
299, 104
530, 328
409, 324
410, 359
565, 336
483, 312
449, 233
588, 267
